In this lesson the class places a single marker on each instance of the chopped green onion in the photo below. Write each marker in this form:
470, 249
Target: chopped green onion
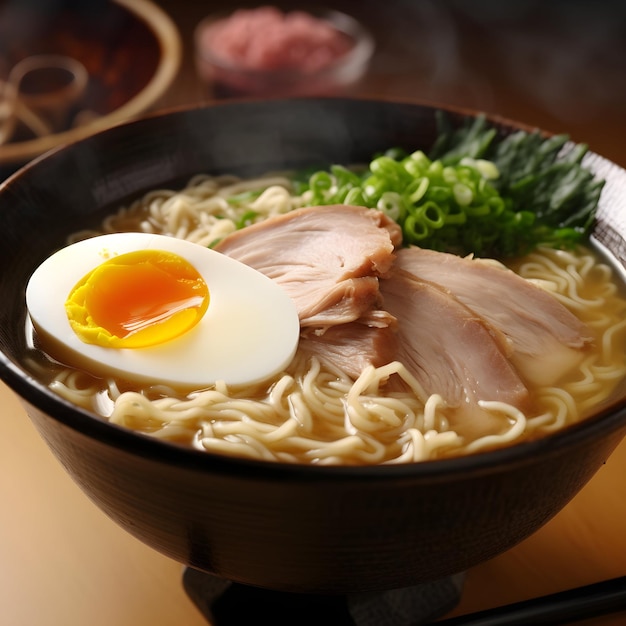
475, 192
390, 203
245, 196
246, 219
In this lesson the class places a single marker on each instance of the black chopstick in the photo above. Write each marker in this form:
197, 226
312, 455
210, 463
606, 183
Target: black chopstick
573, 605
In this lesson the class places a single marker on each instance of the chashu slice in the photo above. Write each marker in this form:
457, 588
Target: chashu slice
546, 339
328, 259
452, 352
350, 348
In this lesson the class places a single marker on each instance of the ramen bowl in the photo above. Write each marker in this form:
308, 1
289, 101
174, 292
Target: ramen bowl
287, 527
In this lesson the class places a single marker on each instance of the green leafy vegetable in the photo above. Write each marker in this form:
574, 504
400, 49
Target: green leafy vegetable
475, 192
538, 174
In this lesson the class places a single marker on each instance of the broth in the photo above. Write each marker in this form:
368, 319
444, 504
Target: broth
314, 414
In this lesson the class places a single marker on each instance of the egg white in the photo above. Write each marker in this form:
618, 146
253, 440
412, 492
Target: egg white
248, 334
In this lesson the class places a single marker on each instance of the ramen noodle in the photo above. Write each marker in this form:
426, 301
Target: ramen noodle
313, 415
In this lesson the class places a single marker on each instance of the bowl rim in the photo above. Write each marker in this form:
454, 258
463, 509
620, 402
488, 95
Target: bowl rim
170, 44
610, 419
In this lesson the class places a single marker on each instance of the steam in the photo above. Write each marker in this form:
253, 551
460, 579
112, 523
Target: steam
565, 56
420, 54
570, 68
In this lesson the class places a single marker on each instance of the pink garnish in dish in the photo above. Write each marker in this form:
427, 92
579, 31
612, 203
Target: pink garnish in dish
269, 39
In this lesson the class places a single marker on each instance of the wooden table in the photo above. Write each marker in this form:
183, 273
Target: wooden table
64, 563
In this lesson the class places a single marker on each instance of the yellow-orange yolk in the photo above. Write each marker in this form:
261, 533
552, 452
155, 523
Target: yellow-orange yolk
136, 300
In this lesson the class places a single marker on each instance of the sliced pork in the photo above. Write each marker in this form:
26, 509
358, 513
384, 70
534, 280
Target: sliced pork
546, 339
452, 352
349, 348
468, 330
328, 259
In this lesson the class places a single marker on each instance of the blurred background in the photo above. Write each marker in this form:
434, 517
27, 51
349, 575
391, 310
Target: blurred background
558, 65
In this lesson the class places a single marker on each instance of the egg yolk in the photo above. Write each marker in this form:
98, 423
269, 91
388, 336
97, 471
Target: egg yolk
136, 300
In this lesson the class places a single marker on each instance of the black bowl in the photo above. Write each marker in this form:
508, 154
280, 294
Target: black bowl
285, 527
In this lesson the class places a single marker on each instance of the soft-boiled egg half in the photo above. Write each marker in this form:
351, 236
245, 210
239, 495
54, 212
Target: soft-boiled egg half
159, 310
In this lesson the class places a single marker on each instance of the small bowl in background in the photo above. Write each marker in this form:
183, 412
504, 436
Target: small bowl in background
259, 62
